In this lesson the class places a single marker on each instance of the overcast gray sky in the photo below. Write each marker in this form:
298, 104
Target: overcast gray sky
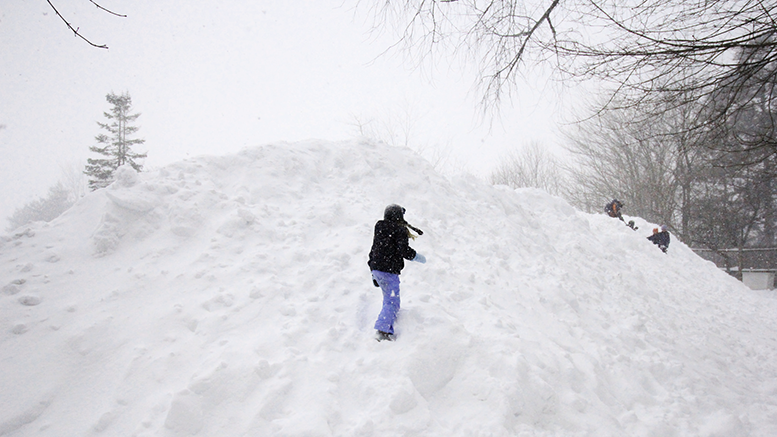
215, 77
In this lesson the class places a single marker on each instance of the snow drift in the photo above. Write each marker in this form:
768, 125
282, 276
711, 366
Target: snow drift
230, 296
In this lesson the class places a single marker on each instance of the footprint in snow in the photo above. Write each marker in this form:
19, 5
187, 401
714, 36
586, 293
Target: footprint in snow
13, 287
29, 301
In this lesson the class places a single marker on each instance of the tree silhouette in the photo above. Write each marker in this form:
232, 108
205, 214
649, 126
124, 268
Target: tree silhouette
117, 148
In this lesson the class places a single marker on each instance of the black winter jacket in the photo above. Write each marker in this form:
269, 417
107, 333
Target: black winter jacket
390, 247
660, 239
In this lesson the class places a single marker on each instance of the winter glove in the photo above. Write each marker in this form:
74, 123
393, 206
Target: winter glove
375, 283
419, 258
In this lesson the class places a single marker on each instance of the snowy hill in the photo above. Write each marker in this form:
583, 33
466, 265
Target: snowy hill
230, 296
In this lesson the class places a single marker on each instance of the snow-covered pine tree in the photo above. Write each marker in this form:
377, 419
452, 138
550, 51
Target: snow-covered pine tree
116, 147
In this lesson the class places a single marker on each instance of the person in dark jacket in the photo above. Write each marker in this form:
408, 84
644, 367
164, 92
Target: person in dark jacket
613, 209
660, 239
389, 251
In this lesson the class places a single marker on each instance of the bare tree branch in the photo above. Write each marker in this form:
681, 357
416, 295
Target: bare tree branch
645, 46
106, 10
76, 30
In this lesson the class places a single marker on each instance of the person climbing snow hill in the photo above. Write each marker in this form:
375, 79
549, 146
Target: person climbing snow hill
660, 239
613, 209
389, 250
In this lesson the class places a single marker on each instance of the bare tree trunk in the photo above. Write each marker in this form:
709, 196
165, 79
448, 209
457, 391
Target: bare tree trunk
740, 262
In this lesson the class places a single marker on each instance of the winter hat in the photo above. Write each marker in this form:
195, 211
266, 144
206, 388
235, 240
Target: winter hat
655, 230
394, 213
663, 228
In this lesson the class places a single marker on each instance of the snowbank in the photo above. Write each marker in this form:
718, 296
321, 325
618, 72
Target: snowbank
229, 296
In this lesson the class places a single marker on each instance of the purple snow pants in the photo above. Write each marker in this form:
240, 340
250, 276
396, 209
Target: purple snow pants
389, 283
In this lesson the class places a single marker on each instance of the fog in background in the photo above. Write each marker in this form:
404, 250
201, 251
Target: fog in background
213, 78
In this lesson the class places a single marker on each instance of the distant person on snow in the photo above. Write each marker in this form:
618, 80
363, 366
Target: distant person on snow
660, 239
389, 250
613, 209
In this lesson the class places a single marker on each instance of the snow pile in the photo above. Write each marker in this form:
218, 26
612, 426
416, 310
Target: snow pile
230, 296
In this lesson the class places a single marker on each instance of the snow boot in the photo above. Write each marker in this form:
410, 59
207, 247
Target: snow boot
384, 336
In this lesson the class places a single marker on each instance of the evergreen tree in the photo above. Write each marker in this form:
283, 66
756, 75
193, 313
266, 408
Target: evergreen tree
116, 147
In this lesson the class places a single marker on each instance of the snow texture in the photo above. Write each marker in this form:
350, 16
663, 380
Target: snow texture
230, 296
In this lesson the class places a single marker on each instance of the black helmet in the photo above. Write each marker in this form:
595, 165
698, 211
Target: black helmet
394, 213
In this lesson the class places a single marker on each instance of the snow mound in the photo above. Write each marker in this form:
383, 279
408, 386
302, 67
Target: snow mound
230, 296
